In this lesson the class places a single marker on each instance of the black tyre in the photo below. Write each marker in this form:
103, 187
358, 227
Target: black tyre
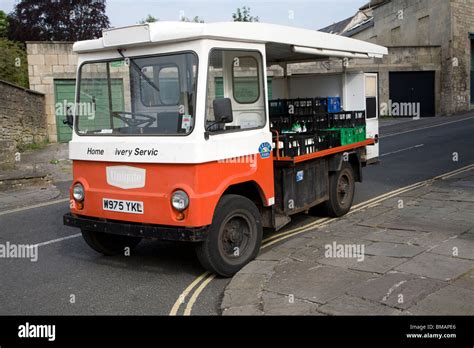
341, 191
234, 237
109, 244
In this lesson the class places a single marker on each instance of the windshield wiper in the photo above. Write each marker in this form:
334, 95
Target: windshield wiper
137, 69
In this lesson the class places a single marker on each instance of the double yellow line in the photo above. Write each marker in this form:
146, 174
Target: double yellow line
205, 278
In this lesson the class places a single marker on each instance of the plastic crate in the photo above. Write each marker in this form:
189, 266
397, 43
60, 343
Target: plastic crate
321, 121
346, 135
334, 104
320, 105
293, 145
307, 123
359, 118
321, 140
360, 133
281, 124
277, 108
300, 106
333, 137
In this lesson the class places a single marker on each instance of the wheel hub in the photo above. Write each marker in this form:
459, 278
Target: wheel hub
235, 234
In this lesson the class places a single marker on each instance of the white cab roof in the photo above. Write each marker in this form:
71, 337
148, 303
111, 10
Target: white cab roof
283, 43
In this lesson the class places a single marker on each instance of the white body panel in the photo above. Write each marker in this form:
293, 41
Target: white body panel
192, 148
354, 91
308, 86
170, 37
167, 32
372, 124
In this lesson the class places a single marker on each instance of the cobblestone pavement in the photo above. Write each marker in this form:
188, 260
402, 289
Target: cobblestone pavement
418, 259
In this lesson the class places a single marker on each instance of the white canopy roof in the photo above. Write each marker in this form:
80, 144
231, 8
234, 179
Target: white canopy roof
283, 43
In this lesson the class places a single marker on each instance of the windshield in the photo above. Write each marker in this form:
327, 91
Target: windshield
133, 96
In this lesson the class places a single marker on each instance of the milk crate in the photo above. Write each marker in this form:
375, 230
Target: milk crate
334, 104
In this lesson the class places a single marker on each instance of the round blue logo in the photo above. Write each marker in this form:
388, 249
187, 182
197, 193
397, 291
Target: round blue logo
265, 150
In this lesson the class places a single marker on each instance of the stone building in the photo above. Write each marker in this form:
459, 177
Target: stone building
52, 71
431, 51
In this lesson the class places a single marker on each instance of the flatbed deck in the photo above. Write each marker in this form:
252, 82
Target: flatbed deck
319, 154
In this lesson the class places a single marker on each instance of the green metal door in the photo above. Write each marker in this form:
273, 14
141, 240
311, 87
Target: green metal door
63, 94
64, 91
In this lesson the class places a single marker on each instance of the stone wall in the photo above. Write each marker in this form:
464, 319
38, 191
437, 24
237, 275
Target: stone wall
48, 61
22, 120
458, 62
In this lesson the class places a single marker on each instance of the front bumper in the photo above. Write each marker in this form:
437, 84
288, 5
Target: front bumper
173, 233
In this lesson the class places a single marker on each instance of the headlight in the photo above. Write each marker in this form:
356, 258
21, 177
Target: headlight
78, 192
179, 200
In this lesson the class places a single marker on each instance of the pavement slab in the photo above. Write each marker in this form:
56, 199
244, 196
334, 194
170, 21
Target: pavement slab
398, 290
436, 266
393, 250
277, 304
312, 282
466, 281
393, 236
350, 305
243, 311
371, 264
457, 248
449, 300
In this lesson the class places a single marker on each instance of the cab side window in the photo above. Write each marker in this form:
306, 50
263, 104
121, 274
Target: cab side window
238, 76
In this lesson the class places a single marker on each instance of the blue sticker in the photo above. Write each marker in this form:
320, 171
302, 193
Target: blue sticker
299, 176
265, 150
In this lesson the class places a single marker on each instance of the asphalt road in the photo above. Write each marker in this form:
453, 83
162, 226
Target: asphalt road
69, 278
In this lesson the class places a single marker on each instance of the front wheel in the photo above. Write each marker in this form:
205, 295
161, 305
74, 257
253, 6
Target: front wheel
341, 191
109, 244
234, 237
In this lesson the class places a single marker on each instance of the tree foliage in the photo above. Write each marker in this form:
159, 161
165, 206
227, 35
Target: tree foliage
57, 20
243, 15
149, 19
196, 19
13, 63
3, 24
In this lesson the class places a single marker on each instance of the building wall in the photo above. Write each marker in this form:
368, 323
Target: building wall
48, 61
458, 68
409, 23
431, 23
22, 120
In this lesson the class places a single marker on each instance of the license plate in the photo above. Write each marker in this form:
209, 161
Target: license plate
122, 206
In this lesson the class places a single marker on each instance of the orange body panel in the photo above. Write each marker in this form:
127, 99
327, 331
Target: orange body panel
204, 183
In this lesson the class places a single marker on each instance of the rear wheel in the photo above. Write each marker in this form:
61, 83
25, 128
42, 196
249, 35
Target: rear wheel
234, 237
109, 244
341, 191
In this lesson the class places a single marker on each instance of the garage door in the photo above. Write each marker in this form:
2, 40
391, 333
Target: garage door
64, 92
414, 87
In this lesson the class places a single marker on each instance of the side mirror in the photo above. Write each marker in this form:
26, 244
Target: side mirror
69, 118
223, 110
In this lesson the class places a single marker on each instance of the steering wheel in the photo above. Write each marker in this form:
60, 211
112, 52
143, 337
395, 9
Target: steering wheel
145, 120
